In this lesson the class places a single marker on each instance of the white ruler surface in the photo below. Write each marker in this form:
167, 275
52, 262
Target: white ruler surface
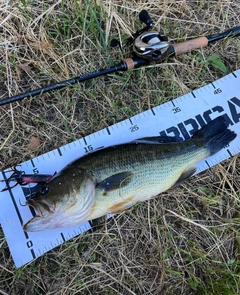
180, 117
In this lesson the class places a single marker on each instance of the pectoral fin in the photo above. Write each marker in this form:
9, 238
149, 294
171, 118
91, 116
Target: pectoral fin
115, 181
185, 175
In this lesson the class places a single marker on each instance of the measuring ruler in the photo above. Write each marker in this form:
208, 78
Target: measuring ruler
180, 117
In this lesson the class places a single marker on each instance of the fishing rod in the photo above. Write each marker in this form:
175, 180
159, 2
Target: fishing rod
148, 46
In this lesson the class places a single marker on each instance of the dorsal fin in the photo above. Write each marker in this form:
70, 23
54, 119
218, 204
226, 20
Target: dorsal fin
157, 140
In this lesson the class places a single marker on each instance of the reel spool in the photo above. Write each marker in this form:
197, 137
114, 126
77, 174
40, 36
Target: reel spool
152, 46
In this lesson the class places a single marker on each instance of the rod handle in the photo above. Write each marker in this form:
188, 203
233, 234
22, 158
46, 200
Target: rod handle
189, 45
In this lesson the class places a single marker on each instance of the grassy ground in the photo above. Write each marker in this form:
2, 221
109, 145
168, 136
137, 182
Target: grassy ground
154, 248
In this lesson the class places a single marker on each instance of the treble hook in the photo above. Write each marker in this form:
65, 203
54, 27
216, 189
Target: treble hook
21, 178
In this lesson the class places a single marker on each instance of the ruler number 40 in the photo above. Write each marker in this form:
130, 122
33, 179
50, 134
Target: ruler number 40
217, 91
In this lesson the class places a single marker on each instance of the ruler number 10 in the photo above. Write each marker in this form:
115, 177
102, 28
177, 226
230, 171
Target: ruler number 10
217, 91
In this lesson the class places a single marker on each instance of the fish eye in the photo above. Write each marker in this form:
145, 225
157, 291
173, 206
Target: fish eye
44, 190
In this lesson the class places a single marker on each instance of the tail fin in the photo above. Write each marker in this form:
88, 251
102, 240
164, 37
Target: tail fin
215, 135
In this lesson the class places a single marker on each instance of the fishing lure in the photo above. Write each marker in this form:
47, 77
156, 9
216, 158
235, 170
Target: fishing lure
21, 178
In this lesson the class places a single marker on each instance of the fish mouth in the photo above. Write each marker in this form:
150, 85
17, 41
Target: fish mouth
42, 207
72, 210
37, 223
31, 224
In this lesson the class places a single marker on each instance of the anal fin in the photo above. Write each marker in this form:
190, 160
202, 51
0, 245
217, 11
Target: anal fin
185, 175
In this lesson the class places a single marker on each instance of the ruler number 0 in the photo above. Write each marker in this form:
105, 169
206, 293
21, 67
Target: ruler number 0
217, 91
29, 244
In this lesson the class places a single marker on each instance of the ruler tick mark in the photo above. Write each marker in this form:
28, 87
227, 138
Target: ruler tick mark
234, 75
64, 240
213, 86
59, 151
229, 153
193, 94
32, 163
108, 131
90, 223
33, 253
173, 103
209, 166
130, 120
153, 112
84, 139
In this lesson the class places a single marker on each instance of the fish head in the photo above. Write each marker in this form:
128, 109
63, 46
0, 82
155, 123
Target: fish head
64, 201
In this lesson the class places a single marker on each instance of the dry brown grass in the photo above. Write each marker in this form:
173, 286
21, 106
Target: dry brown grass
184, 242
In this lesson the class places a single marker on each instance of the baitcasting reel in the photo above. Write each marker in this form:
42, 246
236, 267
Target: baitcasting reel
152, 46
149, 45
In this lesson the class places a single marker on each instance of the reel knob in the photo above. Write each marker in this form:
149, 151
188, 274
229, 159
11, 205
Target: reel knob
152, 46
145, 18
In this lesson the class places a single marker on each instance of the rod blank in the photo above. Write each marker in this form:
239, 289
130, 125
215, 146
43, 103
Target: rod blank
125, 65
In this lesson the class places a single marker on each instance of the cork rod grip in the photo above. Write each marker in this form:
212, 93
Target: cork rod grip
187, 46
129, 63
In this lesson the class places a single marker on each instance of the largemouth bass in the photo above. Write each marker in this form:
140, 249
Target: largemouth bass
113, 179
